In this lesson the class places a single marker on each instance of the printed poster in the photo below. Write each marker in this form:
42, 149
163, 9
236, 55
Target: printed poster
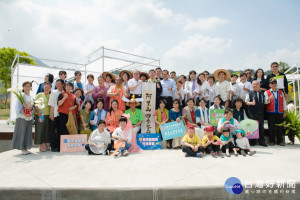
149, 141
73, 143
215, 115
172, 130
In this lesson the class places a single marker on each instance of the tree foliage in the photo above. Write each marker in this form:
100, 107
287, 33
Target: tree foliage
7, 55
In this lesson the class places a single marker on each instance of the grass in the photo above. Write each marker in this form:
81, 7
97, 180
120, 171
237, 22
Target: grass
4, 114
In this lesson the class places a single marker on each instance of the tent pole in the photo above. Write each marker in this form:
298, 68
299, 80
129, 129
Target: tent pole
102, 59
298, 89
85, 74
18, 69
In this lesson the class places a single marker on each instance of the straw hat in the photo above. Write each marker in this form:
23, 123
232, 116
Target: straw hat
216, 74
104, 74
146, 74
126, 71
133, 100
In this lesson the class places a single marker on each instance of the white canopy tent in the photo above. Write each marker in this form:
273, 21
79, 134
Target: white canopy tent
294, 80
97, 62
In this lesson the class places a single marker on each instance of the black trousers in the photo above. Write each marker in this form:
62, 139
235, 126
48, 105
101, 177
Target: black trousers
273, 129
212, 148
87, 147
260, 119
229, 146
169, 101
246, 151
54, 137
190, 151
61, 128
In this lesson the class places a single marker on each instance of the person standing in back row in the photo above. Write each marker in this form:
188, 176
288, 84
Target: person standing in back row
282, 83
276, 111
255, 100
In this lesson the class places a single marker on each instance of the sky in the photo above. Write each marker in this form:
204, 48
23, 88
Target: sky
183, 35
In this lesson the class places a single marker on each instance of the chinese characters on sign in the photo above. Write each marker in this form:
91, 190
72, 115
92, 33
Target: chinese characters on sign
172, 130
215, 115
150, 141
72, 143
148, 107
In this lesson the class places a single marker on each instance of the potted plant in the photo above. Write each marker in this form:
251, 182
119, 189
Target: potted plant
292, 125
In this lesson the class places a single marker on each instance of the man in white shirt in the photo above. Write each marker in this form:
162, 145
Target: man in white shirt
88, 89
54, 116
99, 141
291, 106
168, 87
135, 85
236, 90
245, 86
224, 86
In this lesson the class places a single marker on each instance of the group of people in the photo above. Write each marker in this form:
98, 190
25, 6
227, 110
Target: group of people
101, 112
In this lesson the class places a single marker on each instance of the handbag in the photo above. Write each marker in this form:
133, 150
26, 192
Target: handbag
71, 124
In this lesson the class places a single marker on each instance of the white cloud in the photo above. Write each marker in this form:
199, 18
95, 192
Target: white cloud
205, 24
256, 60
143, 49
197, 51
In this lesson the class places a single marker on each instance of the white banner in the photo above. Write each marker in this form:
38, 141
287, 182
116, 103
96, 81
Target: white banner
148, 107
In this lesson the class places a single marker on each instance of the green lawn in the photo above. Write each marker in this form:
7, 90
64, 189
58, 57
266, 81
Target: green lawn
4, 114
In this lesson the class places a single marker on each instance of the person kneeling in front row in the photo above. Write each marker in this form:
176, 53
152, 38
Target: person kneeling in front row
191, 143
243, 144
122, 136
99, 141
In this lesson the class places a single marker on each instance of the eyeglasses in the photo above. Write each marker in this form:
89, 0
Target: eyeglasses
249, 73
206, 74
274, 66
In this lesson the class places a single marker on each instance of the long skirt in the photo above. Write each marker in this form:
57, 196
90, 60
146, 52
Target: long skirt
22, 138
42, 130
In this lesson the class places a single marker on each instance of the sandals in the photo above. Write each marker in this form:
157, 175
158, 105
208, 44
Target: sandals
43, 148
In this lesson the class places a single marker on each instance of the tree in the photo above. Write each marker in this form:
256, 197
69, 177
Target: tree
283, 66
7, 55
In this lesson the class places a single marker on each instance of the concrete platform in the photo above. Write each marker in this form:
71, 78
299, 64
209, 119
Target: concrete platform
161, 174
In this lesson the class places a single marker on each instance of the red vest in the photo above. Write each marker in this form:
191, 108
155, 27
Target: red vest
69, 102
275, 105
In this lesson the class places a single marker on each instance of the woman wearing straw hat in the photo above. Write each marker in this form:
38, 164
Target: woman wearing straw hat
116, 92
126, 76
222, 75
109, 78
144, 76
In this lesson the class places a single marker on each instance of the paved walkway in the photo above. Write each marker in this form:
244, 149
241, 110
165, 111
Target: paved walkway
160, 174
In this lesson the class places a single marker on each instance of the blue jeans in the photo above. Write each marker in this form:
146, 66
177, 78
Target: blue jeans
127, 146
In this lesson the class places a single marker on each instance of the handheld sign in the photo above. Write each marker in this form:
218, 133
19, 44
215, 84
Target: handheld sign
72, 143
215, 115
149, 141
172, 130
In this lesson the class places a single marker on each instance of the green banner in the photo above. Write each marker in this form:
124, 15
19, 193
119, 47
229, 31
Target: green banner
215, 115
